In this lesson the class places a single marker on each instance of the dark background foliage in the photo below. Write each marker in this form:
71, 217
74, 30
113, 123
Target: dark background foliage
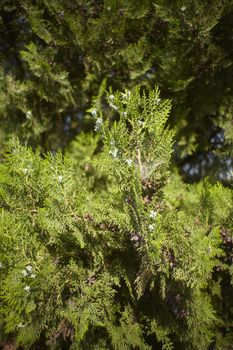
54, 56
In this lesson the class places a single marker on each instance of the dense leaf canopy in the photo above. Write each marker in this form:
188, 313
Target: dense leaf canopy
116, 171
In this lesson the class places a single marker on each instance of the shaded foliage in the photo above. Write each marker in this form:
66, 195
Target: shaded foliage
55, 54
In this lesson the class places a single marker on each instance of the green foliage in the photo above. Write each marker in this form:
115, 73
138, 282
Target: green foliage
55, 55
108, 249
103, 246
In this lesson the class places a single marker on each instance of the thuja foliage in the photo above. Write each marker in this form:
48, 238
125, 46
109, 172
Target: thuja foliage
110, 250
55, 54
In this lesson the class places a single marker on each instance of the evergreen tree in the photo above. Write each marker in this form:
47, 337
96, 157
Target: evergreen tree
114, 252
103, 244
